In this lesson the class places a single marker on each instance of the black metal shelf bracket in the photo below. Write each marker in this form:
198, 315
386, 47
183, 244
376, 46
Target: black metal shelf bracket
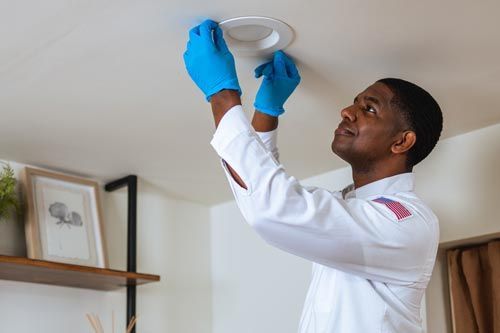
131, 183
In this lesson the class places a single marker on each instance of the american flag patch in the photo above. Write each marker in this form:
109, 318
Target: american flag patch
397, 208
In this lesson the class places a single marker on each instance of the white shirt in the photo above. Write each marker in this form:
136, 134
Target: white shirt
372, 263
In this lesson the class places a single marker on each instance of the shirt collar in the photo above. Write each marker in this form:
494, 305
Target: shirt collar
403, 182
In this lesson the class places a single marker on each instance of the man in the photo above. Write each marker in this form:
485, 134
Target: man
374, 243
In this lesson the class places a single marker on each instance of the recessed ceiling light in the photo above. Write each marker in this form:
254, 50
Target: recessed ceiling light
256, 35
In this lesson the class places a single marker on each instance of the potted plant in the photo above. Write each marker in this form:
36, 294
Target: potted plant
12, 239
9, 202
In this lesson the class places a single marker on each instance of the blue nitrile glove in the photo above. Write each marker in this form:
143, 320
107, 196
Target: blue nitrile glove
281, 77
209, 61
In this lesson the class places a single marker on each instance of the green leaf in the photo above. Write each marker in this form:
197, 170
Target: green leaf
9, 201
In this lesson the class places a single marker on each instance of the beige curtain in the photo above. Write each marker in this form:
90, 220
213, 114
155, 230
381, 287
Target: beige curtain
474, 276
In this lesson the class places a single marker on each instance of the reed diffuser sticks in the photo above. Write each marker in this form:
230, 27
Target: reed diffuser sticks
95, 322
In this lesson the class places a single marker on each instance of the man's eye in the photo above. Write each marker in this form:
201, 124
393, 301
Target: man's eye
371, 109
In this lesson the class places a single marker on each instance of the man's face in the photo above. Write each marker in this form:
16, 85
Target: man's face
368, 127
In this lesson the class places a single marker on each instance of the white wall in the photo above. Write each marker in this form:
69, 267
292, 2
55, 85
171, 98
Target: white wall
173, 241
257, 288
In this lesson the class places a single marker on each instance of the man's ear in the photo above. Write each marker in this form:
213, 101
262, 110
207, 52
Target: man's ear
405, 141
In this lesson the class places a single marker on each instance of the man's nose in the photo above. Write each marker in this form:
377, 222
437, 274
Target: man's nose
348, 113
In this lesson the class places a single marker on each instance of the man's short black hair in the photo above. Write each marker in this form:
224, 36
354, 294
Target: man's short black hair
420, 112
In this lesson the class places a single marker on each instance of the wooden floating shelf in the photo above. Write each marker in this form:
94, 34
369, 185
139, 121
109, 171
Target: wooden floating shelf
60, 274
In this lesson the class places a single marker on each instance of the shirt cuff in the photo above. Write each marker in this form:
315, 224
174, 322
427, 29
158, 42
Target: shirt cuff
269, 139
232, 124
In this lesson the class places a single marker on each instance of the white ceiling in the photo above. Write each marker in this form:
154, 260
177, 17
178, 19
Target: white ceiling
98, 88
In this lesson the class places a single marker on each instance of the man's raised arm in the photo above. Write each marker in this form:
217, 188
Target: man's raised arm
211, 66
222, 102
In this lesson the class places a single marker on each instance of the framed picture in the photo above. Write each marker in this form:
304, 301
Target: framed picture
63, 219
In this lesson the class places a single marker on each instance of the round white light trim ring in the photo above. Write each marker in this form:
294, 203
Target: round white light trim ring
256, 35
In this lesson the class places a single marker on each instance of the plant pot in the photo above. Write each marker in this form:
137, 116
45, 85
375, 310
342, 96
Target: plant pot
12, 239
